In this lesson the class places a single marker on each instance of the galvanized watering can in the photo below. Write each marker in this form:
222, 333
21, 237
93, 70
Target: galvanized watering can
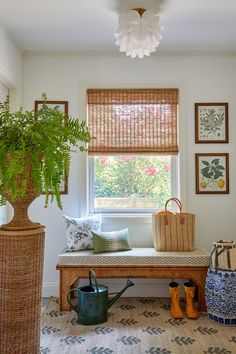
93, 303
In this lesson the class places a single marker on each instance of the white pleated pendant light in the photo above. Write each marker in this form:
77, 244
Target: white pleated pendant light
138, 33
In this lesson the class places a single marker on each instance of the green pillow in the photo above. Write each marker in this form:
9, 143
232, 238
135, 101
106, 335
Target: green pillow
111, 241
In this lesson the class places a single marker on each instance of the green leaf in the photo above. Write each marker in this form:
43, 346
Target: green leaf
205, 170
215, 161
218, 174
219, 167
206, 163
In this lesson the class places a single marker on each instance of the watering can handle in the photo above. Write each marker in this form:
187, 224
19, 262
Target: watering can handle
92, 273
75, 308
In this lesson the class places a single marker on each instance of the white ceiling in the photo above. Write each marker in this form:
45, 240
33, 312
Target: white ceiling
89, 25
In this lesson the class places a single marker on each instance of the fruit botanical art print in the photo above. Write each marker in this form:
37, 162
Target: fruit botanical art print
212, 173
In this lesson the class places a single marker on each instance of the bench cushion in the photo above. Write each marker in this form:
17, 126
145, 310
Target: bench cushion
136, 257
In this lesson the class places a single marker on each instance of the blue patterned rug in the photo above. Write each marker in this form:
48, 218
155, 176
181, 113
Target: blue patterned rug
137, 326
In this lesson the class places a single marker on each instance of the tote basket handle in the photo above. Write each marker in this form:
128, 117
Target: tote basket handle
178, 202
218, 248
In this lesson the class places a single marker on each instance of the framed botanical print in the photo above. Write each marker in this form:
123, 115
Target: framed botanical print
212, 173
63, 186
61, 106
211, 123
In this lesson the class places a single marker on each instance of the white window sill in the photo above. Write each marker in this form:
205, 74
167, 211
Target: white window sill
141, 218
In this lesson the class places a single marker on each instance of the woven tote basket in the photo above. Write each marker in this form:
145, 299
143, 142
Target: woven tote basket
173, 231
223, 255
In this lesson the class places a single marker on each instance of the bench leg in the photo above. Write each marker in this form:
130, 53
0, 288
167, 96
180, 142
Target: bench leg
199, 279
67, 279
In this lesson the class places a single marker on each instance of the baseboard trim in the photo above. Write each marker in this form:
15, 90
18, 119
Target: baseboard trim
50, 289
142, 288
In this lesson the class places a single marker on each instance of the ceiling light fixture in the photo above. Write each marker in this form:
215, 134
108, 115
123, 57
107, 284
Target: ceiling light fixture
138, 33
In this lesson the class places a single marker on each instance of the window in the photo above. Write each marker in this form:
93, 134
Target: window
132, 165
131, 183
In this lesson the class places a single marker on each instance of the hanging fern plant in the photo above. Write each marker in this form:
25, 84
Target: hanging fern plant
37, 145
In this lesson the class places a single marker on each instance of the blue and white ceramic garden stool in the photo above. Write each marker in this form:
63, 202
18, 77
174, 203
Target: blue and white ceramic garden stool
221, 296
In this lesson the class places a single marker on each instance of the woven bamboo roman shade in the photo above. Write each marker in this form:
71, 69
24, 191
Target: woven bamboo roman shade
133, 121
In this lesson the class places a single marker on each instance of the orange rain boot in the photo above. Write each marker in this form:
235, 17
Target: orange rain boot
175, 309
189, 290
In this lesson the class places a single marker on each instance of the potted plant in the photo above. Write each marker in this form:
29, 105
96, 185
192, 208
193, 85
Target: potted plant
35, 154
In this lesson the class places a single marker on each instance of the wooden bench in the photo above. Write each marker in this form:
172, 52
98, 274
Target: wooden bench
136, 263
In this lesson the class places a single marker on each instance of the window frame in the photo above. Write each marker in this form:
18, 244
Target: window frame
4, 91
126, 211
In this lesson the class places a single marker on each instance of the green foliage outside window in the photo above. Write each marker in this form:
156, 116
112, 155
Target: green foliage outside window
133, 177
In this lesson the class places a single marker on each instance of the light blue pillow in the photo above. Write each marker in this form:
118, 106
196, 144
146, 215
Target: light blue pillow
111, 241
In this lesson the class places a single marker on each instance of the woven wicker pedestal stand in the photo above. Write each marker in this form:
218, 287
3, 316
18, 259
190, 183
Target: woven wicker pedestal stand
21, 268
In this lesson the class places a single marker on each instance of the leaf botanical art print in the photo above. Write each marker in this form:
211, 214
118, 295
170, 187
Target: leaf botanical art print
212, 173
211, 120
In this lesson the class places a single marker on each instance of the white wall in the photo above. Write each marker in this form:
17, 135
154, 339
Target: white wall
10, 79
199, 79
10, 66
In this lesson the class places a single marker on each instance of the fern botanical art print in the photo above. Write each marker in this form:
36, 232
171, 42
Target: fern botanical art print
58, 106
212, 173
211, 122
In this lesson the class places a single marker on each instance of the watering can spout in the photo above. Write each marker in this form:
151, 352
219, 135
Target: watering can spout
112, 301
